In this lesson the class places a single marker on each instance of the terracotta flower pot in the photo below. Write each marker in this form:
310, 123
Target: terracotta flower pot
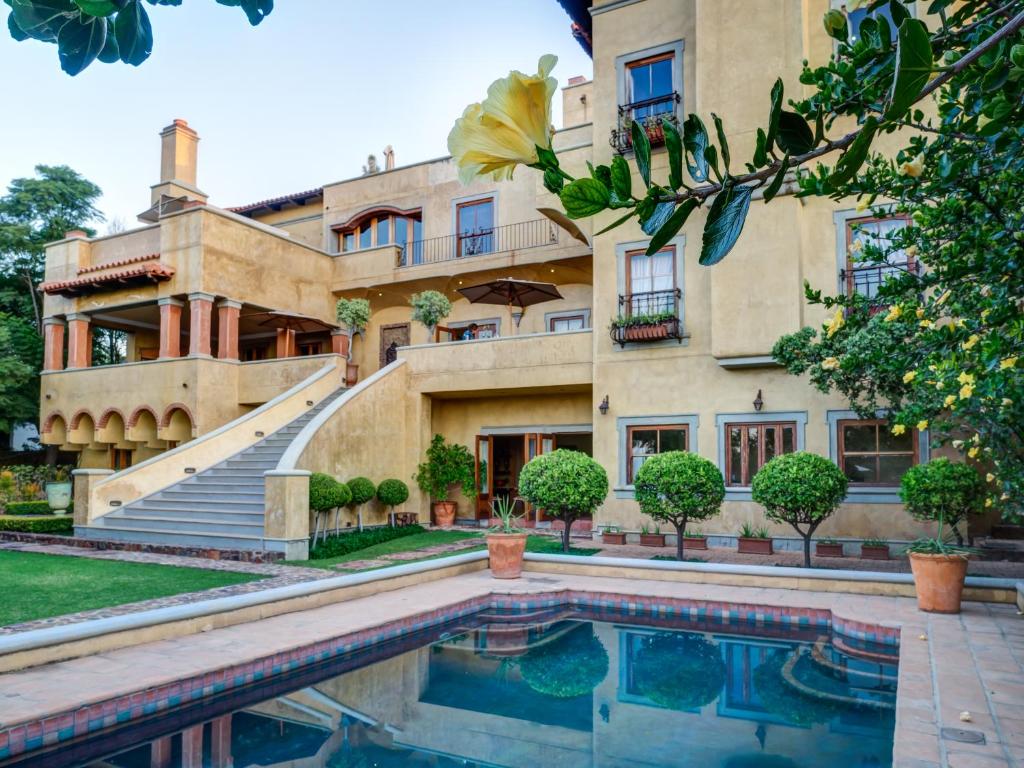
874, 552
652, 539
351, 374
939, 580
823, 549
505, 551
751, 546
695, 542
444, 513
609, 537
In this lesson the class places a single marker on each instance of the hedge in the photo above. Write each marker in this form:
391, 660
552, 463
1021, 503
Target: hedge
347, 543
52, 524
28, 508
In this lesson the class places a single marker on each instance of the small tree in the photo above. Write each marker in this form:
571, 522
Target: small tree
354, 314
362, 490
326, 493
446, 465
392, 492
565, 484
944, 491
679, 486
430, 308
800, 489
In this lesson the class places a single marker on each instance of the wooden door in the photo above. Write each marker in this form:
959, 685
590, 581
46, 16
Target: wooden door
397, 334
484, 475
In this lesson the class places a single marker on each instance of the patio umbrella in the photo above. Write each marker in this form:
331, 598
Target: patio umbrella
511, 293
292, 321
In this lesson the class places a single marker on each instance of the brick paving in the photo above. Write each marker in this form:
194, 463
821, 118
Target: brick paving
412, 554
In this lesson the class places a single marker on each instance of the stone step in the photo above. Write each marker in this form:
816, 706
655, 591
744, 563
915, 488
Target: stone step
216, 493
252, 506
227, 482
226, 517
188, 525
177, 538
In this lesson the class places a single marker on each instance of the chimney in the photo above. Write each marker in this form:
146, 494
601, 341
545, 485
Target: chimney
179, 146
389, 158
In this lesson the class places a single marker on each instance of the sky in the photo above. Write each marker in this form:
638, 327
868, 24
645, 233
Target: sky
291, 104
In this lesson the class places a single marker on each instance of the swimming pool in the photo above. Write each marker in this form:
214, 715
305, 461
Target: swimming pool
578, 680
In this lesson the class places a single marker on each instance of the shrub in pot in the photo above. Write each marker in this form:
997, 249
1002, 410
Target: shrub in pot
612, 534
828, 548
391, 493
874, 549
649, 538
753, 541
354, 314
802, 489
940, 490
695, 540
362, 490
58, 492
566, 485
677, 487
506, 541
446, 465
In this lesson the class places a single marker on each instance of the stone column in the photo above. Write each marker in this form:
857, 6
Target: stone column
286, 510
339, 342
170, 327
85, 480
227, 329
200, 306
192, 747
220, 742
285, 343
78, 341
53, 344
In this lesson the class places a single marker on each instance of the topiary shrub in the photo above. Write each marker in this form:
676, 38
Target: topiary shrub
800, 489
447, 464
430, 308
679, 486
392, 492
565, 484
362, 490
679, 670
943, 491
573, 665
327, 493
27, 508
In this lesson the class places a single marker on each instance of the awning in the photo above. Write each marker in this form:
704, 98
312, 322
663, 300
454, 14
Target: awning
292, 321
150, 272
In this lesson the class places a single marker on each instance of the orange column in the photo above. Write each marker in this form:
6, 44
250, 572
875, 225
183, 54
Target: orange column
285, 343
200, 306
339, 343
53, 344
220, 742
227, 329
170, 327
78, 341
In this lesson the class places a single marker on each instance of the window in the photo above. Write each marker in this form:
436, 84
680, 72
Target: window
642, 442
365, 235
348, 241
865, 279
310, 348
651, 282
373, 230
120, 458
474, 226
383, 231
751, 446
870, 454
567, 323
649, 89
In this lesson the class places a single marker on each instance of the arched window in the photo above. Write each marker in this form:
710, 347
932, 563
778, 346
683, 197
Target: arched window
376, 228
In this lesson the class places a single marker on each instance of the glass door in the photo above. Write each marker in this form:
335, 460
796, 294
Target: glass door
484, 476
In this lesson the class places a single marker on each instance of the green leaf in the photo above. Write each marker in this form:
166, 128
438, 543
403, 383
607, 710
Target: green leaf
96, 7
913, 67
109, 54
898, 11
725, 223
760, 153
622, 179
16, 32
795, 135
42, 19
661, 214
819, 127
584, 197
722, 143
773, 188
711, 156
853, 158
774, 116
835, 25
553, 181
546, 158
559, 218
695, 141
642, 151
674, 147
603, 174
617, 223
671, 226
134, 33
80, 41
255, 10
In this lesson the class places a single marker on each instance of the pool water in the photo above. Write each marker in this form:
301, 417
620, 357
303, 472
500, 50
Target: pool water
564, 687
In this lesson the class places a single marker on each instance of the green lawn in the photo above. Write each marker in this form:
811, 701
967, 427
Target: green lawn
36, 586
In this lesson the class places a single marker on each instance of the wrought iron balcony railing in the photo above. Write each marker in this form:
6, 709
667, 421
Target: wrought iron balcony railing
866, 280
648, 316
649, 113
510, 237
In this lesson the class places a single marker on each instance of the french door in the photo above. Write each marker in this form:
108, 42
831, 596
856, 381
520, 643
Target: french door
534, 444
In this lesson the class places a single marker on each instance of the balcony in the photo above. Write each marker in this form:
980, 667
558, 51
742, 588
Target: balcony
519, 364
511, 237
866, 280
649, 113
648, 316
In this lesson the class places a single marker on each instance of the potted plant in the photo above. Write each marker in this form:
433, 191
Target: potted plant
58, 491
649, 539
612, 534
564, 484
645, 327
362, 490
874, 549
940, 490
391, 493
754, 541
506, 542
695, 540
802, 489
429, 308
354, 314
828, 548
446, 465
677, 487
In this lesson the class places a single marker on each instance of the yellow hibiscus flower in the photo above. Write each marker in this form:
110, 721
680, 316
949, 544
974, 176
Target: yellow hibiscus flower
504, 131
894, 313
989, 477
973, 452
830, 363
913, 168
922, 425
965, 378
835, 323
950, 399
909, 376
898, 429
1007, 362
971, 341
1007, 402
966, 391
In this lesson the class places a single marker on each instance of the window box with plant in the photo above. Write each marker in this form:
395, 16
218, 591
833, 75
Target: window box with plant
695, 540
828, 548
446, 465
643, 328
754, 541
874, 549
506, 541
613, 534
649, 538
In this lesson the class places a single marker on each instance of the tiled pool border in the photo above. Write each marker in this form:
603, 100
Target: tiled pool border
88, 719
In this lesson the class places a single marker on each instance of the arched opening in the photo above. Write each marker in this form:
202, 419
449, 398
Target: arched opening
142, 428
55, 430
82, 429
176, 427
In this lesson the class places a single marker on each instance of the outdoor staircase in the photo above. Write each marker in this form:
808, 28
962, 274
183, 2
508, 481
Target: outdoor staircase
219, 508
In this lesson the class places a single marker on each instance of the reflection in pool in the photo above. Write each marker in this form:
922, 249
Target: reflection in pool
564, 689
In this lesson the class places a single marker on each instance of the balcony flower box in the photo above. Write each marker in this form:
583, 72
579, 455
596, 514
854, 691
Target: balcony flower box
645, 328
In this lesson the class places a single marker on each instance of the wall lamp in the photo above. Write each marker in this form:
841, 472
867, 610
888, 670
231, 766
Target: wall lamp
603, 407
758, 402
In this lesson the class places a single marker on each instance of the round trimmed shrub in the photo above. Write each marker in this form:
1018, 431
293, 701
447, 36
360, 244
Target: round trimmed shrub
430, 308
362, 490
679, 670
326, 493
679, 486
944, 491
573, 665
392, 492
565, 484
802, 489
